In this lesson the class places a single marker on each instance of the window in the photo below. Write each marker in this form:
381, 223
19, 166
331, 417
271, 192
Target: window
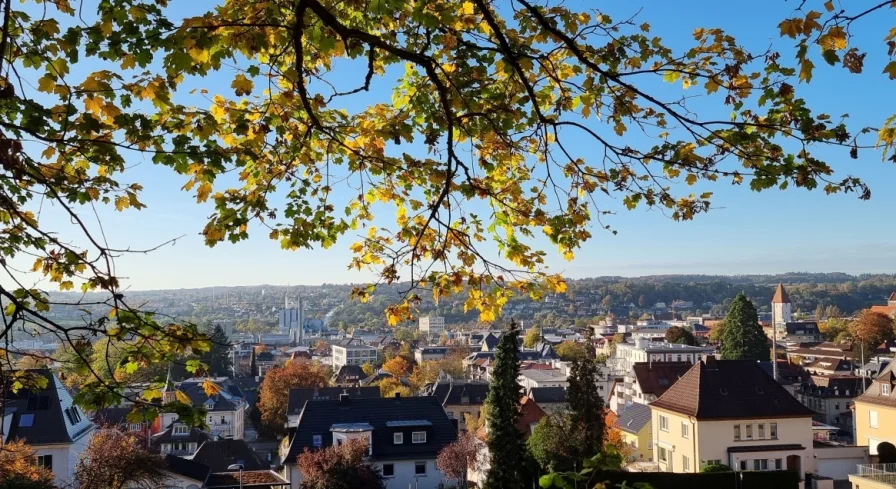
223, 420
388, 470
685, 430
756, 465
685, 463
761, 430
135, 427
714, 462
773, 431
664, 423
885, 389
418, 437
737, 432
180, 429
419, 468
778, 464
26, 421
650, 444
743, 465
749, 432
763, 464
872, 419
662, 454
398, 438
45, 461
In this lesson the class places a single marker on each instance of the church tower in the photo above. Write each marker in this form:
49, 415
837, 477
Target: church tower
168, 392
782, 309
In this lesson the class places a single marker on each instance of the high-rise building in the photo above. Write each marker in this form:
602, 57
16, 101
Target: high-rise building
432, 325
292, 320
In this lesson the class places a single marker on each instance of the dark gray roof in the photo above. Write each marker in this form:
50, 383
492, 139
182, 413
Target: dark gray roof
195, 436
633, 418
114, 415
220, 454
547, 394
349, 373
432, 350
523, 355
186, 468
44, 416
227, 400
490, 341
264, 356
319, 417
456, 393
298, 397
802, 328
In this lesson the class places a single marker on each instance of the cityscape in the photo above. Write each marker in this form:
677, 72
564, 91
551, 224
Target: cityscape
447, 244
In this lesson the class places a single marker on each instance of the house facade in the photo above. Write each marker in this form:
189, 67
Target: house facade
49, 421
637, 430
644, 350
404, 436
460, 399
731, 412
225, 410
875, 411
352, 354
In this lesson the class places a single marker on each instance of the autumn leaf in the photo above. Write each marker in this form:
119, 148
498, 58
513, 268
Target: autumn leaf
890, 70
242, 85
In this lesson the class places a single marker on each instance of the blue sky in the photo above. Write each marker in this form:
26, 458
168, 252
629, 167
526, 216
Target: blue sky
747, 232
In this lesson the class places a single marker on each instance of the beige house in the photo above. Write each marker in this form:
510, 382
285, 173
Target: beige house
731, 412
875, 411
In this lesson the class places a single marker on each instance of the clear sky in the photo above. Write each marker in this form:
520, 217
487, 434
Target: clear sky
747, 232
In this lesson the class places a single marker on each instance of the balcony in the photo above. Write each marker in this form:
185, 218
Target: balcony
874, 476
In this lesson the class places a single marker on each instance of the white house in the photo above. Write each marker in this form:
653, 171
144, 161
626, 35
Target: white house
643, 350
48, 420
404, 436
350, 353
226, 409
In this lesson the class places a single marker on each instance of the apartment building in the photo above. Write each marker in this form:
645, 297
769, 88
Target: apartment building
731, 412
644, 350
433, 326
875, 411
351, 353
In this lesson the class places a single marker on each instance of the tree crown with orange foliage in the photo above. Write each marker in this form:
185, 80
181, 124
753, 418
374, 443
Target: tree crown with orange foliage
274, 394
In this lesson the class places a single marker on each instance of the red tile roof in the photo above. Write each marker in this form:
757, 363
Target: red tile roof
253, 478
888, 310
529, 413
729, 389
780, 295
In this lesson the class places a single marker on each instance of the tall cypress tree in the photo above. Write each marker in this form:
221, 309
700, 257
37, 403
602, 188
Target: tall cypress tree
586, 407
743, 338
253, 367
505, 442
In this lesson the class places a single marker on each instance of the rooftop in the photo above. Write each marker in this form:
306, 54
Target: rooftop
656, 377
633, 418
299, 396
781, 296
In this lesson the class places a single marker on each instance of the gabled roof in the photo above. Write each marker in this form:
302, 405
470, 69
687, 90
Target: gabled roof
834, 365
186, 468
44, 416
220, 454
349, 373
656, 377
542, 395
319, 417
892, 297
807, 327
490, 341
530, 413
633, 418
194, 436
873, 395
729, 389
835, 387
298, 397
780, 295
259, 479
458, 392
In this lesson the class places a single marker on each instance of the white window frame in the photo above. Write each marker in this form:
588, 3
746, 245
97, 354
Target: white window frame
398, 438
685, 430
737, 432
662, 454
773, 431
664, 423
180, 429
418, 464
885, 389
685, 463
417, 439
760, 431
748, 432
872, 419
42, 461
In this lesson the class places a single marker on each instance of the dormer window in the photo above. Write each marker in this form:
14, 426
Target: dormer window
885, 389
210, 403
398, 438
180, 429
418, 437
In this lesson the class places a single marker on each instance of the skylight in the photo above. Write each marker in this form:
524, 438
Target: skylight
27, 420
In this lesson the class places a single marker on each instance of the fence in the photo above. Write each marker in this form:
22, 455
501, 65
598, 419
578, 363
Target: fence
885, 473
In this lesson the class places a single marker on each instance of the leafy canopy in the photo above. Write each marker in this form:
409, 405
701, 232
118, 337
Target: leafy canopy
468, 146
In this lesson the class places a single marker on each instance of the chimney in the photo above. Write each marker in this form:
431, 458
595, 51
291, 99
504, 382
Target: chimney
345, 399
711, 363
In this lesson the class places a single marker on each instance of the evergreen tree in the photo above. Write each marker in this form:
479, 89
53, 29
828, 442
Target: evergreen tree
218, 356
253, 367
743, 338
586, 407
505, 442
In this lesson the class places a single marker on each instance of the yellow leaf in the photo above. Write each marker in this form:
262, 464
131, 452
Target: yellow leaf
890, 70
210, 388
129, 61
691, 179
711, 86
568, 255
183, 398
274, 234
94, 105
122, 203
202, 193
49, 152
806, 70
242, 85
46, 84
791, 27
199, 55
467, 8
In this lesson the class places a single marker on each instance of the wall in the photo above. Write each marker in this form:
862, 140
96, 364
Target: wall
404, 475
455, 411
837, 462
886, 425
641, 443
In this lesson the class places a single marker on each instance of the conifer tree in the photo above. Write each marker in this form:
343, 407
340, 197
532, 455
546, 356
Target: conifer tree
743, 338
505, 442
253, 367
586, 407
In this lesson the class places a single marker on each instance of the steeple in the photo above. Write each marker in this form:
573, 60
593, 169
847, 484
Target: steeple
168, 394
780, 295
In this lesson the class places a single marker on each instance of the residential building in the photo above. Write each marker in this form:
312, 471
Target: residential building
731, 412
184, 473
118, 417
873, 476
426, 353
179, 440
797, 332
404, 436
549, 399
782, 309
790, 375
530, 379
299, 396
889, 309
875, 411
460, 398
643, 350
831, 398
829, 367
49, 421
226, 409
432, 326
646, 382
634, 422
873, 368
829, 350
352, 354
220, 454
349, 376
